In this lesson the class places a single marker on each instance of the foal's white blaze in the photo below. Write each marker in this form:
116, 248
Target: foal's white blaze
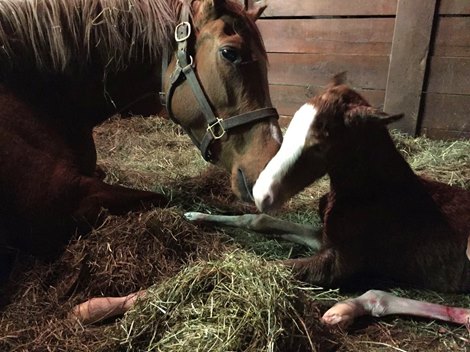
266, 187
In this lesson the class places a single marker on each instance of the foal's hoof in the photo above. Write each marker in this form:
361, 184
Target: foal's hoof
341, 314
194, 216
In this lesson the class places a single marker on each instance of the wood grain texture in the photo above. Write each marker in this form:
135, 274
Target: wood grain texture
446, 112
365, 72
330, 7
361, 36
288, 99
450, 75
454, 7
452, 37
408, 61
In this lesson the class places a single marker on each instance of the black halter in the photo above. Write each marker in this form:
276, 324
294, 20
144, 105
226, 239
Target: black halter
184, 70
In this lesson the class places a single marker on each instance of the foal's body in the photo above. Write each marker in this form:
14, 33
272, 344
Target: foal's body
381, 222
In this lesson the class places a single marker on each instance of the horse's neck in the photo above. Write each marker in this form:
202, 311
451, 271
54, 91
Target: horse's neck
373, 168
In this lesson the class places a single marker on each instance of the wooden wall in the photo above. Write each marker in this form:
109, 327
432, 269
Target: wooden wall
404, 55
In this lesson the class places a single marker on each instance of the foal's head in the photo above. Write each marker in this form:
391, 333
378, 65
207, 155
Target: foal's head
328, 125
231, 64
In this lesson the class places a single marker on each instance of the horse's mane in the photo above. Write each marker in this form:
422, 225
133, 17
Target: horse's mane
50, 34
57, 35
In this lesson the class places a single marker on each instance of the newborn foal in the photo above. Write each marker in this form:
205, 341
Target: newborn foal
380, 220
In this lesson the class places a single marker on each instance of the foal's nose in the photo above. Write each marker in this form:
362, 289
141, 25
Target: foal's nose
263, 196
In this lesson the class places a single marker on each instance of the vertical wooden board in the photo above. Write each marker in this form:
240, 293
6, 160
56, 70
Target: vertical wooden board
408, 60
369, 72
452, 37
330, 7
360, 36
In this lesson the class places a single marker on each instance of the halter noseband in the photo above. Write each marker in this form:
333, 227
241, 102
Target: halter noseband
184, 70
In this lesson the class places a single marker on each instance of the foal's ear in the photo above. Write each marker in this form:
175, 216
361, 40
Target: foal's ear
338, 79
386, 119
363, 113
256, 10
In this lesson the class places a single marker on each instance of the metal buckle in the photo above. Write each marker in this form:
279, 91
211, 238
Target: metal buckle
191, 62
188, 31
214, 134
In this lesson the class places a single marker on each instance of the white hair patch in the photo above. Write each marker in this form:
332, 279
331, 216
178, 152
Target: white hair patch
291, 148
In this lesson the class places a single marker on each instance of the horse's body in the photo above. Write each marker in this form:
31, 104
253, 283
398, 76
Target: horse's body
67, 65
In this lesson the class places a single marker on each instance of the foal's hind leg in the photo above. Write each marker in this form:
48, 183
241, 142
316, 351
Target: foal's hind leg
95, 194
380, 303
303, 234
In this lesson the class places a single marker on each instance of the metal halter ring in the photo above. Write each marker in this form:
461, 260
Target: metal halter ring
191, 61
214, 133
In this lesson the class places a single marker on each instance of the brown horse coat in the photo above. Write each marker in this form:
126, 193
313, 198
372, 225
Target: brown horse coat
66, 66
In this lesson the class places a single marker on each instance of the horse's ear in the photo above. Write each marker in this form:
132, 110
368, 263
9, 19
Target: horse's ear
205, 11
255, 11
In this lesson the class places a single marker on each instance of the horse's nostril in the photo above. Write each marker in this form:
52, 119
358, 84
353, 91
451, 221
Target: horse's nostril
245, 187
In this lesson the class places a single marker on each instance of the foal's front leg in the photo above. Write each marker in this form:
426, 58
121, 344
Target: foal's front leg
303, 234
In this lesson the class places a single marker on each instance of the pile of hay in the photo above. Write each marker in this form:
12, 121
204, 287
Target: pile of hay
211, 289
237, 303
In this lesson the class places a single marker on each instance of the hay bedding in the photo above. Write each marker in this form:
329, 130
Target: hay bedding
211, 289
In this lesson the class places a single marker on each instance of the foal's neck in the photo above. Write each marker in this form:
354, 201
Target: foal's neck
371, 167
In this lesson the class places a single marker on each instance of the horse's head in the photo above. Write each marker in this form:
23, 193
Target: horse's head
320, 130
216, 88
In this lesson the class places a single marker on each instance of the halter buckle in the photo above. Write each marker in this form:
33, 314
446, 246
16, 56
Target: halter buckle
182, 31
216, 134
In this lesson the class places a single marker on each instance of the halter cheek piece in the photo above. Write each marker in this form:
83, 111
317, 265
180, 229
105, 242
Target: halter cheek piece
184, 70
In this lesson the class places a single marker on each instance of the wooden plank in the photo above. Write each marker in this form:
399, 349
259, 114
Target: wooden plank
288, 99
435, 133
330, 7
446, 112
369, 72
449, 75
408, 60
454, 7
371, 36
452, 37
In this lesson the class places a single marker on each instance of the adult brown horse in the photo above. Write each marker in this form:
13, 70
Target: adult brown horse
67, 65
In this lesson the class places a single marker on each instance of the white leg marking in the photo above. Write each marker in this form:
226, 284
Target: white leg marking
269, 179
379, 303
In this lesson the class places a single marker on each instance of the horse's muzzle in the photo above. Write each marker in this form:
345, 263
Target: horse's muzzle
245, 187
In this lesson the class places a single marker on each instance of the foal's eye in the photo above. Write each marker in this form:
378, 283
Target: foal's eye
231, 55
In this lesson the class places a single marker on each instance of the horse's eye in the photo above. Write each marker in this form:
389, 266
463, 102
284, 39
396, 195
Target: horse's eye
231, 55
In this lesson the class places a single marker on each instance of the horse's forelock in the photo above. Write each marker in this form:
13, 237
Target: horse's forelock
238, 10
52, 33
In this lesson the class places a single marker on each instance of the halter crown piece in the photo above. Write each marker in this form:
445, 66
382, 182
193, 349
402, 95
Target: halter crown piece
184, 71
